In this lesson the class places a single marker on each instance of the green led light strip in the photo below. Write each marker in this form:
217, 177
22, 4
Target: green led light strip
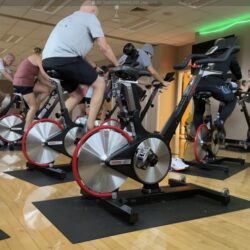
222, 26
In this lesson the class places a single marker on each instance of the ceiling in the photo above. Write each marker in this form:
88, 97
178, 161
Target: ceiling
27, 23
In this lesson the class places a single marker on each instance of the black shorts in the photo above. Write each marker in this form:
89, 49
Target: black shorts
23, 90
72, 70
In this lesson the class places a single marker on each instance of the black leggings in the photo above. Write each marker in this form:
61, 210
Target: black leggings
220, 92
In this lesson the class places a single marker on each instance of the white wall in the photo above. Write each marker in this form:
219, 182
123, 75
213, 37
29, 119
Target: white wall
236, 126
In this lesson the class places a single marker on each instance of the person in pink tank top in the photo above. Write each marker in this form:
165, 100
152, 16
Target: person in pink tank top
33, 83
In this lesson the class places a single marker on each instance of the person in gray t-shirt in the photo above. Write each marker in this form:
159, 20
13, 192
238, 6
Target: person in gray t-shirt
66, 51
144, 62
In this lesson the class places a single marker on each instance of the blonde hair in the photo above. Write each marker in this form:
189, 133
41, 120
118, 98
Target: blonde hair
89, 6
37, 50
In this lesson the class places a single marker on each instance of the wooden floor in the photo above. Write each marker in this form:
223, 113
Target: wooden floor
29, 229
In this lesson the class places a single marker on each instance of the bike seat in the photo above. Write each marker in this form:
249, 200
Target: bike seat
54, 74
129, 73
203, 94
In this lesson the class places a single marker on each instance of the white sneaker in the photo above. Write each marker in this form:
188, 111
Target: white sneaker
178, 164
180, 161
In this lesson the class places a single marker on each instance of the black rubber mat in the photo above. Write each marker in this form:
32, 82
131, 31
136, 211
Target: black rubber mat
83, 220
39, 178
216, 173
3, 235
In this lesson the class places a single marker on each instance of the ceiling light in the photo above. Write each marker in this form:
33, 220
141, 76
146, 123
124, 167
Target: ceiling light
195, 4
224, 25
11, 38
2, 50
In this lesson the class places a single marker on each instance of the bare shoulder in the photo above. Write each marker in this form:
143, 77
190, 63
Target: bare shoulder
35, 59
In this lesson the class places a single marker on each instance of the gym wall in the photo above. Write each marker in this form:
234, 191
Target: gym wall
234, 128
166, 56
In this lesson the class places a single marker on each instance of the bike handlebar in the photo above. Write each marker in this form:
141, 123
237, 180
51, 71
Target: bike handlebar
185, 62
205, 59
221, 59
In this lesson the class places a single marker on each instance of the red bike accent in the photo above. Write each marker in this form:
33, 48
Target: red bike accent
110, 119
76, 153
195, 142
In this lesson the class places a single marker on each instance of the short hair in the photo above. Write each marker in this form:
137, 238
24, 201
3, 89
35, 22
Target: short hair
10, 55
89, 3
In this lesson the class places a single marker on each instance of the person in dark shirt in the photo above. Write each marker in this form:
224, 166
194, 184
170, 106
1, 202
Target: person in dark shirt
220, 91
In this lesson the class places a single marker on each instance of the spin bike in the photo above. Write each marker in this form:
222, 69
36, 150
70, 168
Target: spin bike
107, 155
12, 125
120, 103
46, 139
207, 141
242, 99
9, 101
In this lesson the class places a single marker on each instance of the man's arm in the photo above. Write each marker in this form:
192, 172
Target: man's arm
157, 76
7, 75
106, 50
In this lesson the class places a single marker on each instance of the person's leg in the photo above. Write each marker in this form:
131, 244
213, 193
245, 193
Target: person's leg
30, 99
96, 101
104, 111
227, 110
42, 91
199, 109
81, 72
225, 95
76, 71
74, 99
200, 104
82, 107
